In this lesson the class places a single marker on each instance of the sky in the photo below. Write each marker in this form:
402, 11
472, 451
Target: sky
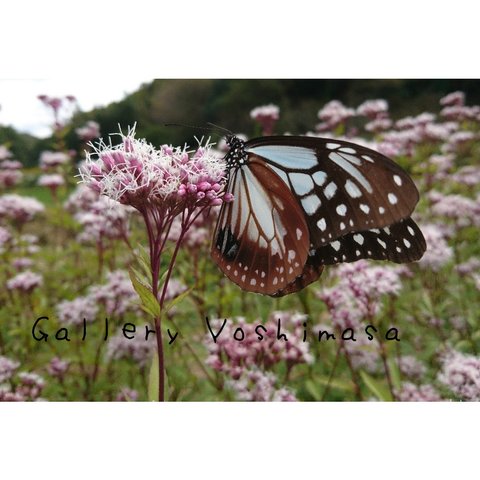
20, 107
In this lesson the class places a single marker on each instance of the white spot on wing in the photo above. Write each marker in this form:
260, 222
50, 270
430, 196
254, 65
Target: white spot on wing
336, 245
302, 183
392, 198
287, 156
407, 243
411, 230
319, 178
352, 189
359, 238
397, 180
322, 224
365, 208
347, 150
382, 243
350, 169
299, 234
330, 190
341, 209
332, 146
310, 204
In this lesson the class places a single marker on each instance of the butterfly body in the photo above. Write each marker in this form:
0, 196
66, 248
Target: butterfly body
304, 202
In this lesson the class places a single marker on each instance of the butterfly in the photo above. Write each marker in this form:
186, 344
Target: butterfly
301, 203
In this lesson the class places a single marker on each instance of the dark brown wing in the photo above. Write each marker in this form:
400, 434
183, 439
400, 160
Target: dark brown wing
261, 239
342, 187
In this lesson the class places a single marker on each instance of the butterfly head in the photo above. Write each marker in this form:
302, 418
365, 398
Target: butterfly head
236, 156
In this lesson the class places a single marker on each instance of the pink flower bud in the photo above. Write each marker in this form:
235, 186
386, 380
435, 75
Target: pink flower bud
228, 197
211, 195
200, 195
192, 188
204, 186
108, 161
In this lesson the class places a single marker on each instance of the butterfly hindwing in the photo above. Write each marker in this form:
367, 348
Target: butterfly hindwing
401, 242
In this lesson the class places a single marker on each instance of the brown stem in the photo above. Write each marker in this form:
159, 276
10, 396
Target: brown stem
356, 383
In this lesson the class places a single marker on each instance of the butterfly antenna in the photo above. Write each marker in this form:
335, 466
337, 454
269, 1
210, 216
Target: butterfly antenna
209, 129
218, 127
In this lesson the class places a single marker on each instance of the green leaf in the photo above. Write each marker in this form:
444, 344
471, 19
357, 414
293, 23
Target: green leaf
149, 302
376, 388
394, 373
141, 277
178, 299
143, 258
313, 386
153, 380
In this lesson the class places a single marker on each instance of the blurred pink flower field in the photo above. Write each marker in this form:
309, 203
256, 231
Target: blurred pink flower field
82, 233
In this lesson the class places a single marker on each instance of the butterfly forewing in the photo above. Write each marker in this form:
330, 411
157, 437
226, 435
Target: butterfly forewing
261, 239
341, 187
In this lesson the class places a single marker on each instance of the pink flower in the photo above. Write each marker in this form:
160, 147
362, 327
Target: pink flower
364, 353
102, 219
81, 199
127, 395
18, 208
254, 385
411, 367
470, 266
138, 349
135, 173
30, 386
454, 98
438, 252
232, 356
468, 175
378, 125
461, 374
49, 160
333, 114
463, 210
7, 368
373, 109
21, 263
417, 393
73, 312
89, 131
11, 165
52, 181
25, 282
117, 296
359, 291
4, 152
266, 116
57, 367
460, 112
9, 178
5, 238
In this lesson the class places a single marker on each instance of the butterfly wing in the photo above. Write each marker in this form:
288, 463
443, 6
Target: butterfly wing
402, 242
342, 187
261, 239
